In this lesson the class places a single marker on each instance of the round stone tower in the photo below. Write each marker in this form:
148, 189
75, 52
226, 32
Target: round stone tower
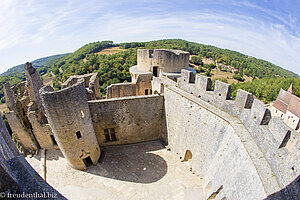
162, 60
68, 114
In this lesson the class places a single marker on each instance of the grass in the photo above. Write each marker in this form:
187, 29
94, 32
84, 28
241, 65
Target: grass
109, 51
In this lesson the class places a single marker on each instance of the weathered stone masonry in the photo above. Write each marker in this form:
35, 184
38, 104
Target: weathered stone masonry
69, 117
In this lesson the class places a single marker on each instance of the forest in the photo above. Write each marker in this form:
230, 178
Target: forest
267, 77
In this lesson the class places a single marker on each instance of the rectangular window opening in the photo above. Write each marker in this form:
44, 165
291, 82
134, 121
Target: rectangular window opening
87, 161
155, 71
53, 139
150, 53
146, 91
78, 135
112, 134
150, 91
106, 134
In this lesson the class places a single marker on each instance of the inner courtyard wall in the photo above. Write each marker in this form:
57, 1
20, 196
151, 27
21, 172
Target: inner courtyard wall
134, 119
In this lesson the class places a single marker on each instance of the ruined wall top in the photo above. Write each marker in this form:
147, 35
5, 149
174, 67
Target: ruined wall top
33, 83
166, 60
91, 83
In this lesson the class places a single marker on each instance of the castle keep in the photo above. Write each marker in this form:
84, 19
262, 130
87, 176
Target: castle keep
236, 147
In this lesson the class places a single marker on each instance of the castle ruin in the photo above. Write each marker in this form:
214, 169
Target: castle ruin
236, 146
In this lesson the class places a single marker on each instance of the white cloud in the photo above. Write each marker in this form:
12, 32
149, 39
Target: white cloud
40, 28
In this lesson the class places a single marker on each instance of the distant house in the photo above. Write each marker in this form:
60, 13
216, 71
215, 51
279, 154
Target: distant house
287, 107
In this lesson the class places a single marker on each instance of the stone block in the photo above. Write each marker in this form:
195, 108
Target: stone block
244, 99
260, 113
187, 76
203, 83
222, 90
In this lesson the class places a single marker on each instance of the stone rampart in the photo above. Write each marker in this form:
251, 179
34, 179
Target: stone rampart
278, 144
217, 146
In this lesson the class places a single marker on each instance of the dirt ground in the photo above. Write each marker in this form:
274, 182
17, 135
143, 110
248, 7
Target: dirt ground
216, 73
110, 51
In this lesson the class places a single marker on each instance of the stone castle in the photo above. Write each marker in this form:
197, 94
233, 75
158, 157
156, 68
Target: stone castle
236, 146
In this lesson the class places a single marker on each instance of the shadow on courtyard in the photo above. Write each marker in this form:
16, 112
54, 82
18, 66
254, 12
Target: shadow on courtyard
52, 154
133, 163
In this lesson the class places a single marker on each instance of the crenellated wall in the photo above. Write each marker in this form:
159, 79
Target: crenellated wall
69, 116
219, 156
202, 120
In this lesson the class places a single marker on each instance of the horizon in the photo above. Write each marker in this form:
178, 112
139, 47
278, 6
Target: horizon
262, 29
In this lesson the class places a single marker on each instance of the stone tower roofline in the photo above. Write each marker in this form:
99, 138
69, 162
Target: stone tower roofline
175, 51
91, 83
162, 60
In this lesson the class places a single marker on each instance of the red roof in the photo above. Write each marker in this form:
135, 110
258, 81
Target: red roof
287, 101
280, 105
284, 96
294, 106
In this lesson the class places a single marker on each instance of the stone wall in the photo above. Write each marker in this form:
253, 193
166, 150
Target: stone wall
26, 115
273, 147
69, 116
91, 82
216, 147
17, 176
166, 60
137, 88
132, 119
33, 83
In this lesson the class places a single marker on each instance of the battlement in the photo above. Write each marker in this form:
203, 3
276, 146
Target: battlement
271, 134
200, 86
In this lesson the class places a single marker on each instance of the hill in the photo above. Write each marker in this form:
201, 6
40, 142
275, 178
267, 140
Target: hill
36, 63
112, 62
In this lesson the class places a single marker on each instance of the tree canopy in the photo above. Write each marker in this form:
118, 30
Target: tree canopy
267, 77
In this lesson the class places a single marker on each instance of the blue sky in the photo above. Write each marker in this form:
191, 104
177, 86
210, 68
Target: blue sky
267, 29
